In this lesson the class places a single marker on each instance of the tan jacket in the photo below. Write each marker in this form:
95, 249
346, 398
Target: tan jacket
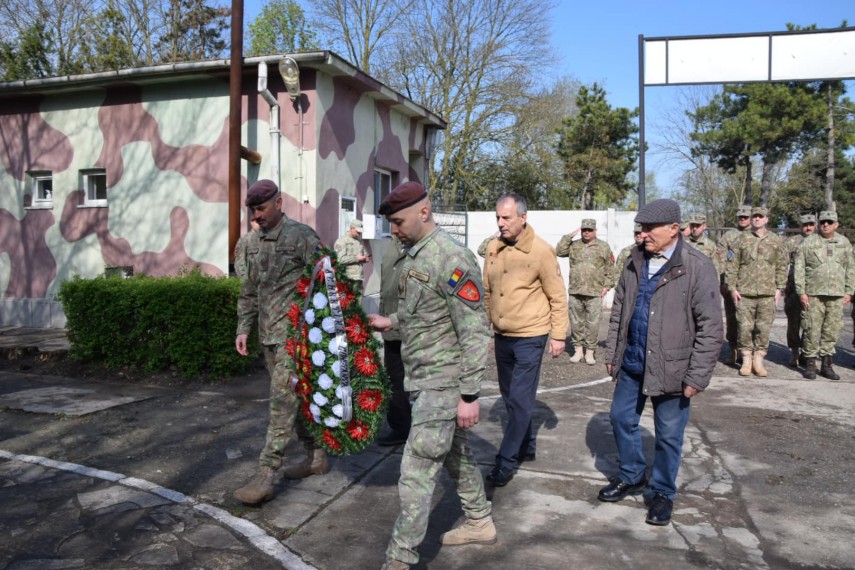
524, 292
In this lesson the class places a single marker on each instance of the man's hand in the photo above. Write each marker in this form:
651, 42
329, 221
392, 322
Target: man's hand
609, 369
240, 345
467, 414
379, 322
363, 258
603, 294
777, 297
805, 301
736, 296
556, 347
847, 298
688, 391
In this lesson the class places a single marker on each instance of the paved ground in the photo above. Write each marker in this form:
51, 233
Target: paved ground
121, 475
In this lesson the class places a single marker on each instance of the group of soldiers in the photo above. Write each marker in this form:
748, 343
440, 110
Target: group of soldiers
814, 272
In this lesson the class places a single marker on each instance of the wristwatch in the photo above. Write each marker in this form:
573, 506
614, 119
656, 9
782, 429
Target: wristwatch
469, 398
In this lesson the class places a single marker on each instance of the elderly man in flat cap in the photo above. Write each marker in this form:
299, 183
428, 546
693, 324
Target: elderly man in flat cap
591, 277
665, 334
792, 303
351, 254
824, 276
275, 258
445, 337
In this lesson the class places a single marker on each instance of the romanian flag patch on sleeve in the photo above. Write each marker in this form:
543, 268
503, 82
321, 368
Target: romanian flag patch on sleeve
465, 287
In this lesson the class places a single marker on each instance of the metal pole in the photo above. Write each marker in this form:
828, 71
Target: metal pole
235, 90
642, 190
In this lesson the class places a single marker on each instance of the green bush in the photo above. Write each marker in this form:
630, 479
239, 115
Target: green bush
152, 323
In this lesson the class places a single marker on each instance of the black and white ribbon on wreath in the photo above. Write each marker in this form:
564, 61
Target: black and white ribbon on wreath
344, 388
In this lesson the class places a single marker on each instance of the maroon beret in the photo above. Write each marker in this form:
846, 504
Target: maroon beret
260, 192
403, 196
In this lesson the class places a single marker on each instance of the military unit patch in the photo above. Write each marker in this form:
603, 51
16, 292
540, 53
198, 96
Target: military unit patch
469, 291
455, 277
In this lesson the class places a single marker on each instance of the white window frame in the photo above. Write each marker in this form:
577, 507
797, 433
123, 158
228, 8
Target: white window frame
42, 198
87, 178
383, 180
347, 213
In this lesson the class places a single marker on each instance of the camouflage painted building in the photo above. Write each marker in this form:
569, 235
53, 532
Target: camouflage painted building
129, 169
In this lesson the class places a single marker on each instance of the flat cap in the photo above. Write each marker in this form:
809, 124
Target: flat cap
827, 215
698, 219
759, 211
357, 225
744, 210
636, 228
807, 219
260, 192
589, 224
662, 211
403, 196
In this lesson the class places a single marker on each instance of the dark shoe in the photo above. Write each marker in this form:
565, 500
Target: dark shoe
531, 456
391, 439
827, 370
659, 512
810, 369
500, 476
618, 489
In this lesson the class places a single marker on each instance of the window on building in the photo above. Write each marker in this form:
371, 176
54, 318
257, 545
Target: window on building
94, 185
382, 188
41, 188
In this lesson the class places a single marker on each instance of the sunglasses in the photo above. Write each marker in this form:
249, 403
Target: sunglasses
826, 222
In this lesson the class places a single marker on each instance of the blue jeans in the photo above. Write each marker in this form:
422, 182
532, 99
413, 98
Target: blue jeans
518, 362
670, 416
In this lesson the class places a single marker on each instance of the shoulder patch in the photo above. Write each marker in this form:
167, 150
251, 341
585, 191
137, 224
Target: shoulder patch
455, 277
469, 291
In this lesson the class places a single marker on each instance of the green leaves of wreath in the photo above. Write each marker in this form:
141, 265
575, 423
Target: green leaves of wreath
314, 352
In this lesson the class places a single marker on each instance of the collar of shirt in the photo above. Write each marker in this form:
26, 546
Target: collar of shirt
666, 255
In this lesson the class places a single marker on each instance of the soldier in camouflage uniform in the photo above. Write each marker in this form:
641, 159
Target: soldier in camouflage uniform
756, 276
792, 303
275, 258
824, 277
625, 252
445, 339
351, 255
591, 277
702, 242
727, 243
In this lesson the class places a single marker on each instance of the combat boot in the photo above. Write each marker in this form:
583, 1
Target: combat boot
473, 531
259, 489
316, 463
589, 356
758, 364
794, 357
731, 356
826, 369
810, 369
577, 355
746, 363
392, 564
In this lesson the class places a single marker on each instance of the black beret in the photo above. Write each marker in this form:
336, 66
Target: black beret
260, 192
403, 196
661, 211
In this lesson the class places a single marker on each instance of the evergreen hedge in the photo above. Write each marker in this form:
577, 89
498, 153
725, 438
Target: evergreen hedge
152, 323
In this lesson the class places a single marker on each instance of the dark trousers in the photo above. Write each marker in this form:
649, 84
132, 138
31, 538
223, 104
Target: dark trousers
518, 362
399, 413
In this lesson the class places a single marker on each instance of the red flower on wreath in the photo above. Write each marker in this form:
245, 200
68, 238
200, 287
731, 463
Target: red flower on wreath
303, 287
364, 361
294, 314
370, 400
357, 332
358, 430
331, 441
345, 295
303, 389
291, 347
307, 413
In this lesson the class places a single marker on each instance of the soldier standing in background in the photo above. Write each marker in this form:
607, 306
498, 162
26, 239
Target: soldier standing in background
756, 277
792, 303
702, 242
625, 252
445, 338
351, 254
265, 296
591, 277
824, 277
727, 243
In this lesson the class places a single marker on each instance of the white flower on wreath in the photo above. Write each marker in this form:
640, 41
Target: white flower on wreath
328, 324
338, 391
316, 411
331, 421
319, 357
333, 346
310, 316
338, 410
320, 399
324, 381
336, 368
315, 335
319, 301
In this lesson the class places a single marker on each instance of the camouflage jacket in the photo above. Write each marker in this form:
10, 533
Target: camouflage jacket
792, 246
275, 260
708, 247
441, 316
591, 265
390, 275
482, 249
730, 237
824, 266
621, 262
758, 265
240, 256
346, 249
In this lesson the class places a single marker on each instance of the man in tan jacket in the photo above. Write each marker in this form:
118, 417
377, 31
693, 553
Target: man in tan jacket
526, 304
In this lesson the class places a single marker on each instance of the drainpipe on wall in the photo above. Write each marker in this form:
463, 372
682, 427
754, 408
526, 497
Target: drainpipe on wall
235, 72
274, 123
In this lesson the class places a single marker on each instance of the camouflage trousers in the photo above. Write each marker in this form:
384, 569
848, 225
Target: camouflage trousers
754, 317
822, 321
585, 320
731, 330
793, 310
284, 421
434, 442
